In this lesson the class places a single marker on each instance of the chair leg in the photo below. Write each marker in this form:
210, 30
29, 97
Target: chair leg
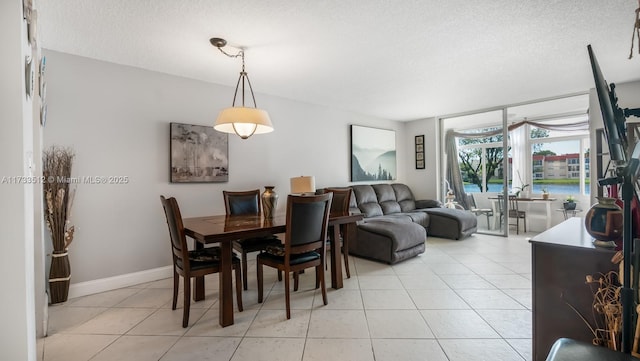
238, 287
279, 276
187, 302
244, 270
176, 284
296, 281
525, 223
322, 284
517, 225
260, 281
286, 296
345, 256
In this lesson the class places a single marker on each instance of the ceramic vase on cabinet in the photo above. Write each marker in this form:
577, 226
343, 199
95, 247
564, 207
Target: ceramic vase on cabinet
603, 220
269, 202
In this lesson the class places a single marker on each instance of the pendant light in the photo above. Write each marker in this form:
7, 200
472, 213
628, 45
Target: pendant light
241, 120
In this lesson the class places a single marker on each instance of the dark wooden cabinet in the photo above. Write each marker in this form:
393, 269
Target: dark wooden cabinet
562, 257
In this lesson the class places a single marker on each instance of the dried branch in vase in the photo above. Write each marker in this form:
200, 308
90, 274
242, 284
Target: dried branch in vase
56, 166
606, 311
607, 308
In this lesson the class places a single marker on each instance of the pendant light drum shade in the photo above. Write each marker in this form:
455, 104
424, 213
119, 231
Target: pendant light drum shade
243, 121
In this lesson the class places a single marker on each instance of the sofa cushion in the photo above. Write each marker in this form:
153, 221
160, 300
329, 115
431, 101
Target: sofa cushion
394, 217
404, 197
389, 241
451, 223
404, 235
428, 203
367, 200
387, 198
421, 218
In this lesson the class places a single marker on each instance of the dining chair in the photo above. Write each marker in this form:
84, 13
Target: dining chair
501, 206
247, 202
190, 264
340, 207
515, 212
479, 211
304, 246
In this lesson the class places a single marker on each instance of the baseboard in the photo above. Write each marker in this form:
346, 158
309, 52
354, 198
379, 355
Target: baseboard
111, 283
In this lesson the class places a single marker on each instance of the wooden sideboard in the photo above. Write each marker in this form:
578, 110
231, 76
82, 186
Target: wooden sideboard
562, 257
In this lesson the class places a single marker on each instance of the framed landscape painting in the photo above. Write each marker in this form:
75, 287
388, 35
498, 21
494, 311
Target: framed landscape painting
373, 154
199, 154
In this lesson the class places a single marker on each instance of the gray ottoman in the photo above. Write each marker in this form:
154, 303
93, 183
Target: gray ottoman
388, 241
451, 223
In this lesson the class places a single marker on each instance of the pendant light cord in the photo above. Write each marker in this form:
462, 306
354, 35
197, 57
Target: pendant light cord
243, 77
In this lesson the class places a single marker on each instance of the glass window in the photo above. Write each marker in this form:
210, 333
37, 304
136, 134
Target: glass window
481, 163
558, 164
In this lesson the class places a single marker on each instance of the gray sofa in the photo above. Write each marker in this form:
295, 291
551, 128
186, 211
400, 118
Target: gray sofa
395, 225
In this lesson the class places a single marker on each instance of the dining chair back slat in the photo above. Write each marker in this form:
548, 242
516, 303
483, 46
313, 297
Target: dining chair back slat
242, 202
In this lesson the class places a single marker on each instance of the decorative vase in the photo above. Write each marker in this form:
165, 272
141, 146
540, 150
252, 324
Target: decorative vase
569, 206
545, 196
604, 220
269, 202
59, 277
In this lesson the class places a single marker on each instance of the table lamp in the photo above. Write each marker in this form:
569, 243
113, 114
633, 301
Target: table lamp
303, 185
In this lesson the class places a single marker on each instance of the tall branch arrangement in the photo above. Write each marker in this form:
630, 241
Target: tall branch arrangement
57, 162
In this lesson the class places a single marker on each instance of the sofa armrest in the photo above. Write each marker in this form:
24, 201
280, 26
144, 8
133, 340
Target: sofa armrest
428, 203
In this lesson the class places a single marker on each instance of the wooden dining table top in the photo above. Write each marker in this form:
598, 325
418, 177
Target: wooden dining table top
217, 228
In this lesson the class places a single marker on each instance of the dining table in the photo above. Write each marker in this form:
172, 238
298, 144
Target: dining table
528, 201
224, 229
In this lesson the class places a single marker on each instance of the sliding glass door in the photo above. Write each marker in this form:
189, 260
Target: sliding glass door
524, 150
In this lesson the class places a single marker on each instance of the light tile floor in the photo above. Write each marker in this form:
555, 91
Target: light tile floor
460, 300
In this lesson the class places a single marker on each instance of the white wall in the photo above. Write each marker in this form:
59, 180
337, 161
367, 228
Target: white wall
423, 182
117, 120
18, 331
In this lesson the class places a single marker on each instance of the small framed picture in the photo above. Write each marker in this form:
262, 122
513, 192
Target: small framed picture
419, 151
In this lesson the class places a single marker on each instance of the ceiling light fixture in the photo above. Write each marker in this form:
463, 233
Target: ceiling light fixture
242, 120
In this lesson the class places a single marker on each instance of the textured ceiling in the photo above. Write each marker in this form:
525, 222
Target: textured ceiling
394, 59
